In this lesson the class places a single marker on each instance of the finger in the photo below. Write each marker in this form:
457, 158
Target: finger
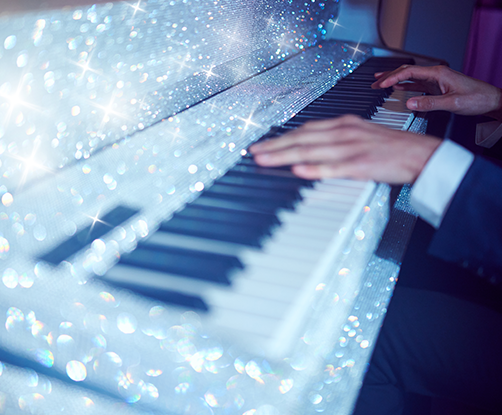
428, 103
378, 75
311, 154
308, 133
411, 86
405, 73
332, 123
345, 170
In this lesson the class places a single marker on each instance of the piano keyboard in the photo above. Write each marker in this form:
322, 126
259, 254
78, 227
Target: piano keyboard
251, 250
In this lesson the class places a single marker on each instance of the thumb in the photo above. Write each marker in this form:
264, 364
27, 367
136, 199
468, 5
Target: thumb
427, 103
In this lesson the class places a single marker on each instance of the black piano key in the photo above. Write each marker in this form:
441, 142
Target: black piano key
328, 105
288, 181
198, 265
341, 95
327, 111
257, 181
271, 173
251, 162
365, 91
243, 203
272, 132
94, 231
214, 201
302, 118
242, 234
327, 100
280, 196
355, 82
229, 216
259, 204
333, 106
171, 297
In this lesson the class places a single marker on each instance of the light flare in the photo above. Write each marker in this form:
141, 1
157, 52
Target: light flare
96, 219
136, 7
30, 164
209, 72
335, 24
356, 49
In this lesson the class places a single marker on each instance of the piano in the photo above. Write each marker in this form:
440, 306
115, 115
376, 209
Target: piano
148, 264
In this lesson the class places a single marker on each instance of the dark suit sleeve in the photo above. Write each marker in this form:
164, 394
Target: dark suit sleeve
471, 232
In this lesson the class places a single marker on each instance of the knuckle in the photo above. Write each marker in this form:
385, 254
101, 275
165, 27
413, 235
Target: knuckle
442, 70
428, 103
350, 118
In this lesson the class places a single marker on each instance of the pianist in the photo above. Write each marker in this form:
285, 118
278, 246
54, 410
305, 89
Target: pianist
433, 343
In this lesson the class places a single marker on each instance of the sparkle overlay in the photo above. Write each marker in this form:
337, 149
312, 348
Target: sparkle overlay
143, 105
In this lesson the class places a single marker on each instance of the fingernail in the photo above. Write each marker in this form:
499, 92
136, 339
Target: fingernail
412, 104
378, 74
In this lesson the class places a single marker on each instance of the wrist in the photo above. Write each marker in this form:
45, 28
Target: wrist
496, 113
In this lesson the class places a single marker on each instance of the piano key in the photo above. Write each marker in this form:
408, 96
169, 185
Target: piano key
228, 216
251, 162
216, 201
237, 233
81, 239
242, 233
259, 181
283, 198
330, 106
175, 298
303, 118
325, 105
246, 300
341, 95
284, 264
215, 268
274, 174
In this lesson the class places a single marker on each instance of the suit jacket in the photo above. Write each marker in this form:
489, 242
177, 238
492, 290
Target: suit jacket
470, 234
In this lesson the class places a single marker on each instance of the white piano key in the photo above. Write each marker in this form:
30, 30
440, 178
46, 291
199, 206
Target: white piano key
254, 289
295, 241
276, 262
310, 221
267, 300
254, 324
344, 201
156, 279
193, 242
310, 210
248, 303
344, 183
279, 277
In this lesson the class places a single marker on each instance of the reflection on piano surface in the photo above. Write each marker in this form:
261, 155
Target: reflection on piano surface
123, 139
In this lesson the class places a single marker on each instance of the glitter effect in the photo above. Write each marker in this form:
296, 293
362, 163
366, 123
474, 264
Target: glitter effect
144, 104
45, 357
76, 371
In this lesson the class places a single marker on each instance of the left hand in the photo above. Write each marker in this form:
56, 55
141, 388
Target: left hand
349, 147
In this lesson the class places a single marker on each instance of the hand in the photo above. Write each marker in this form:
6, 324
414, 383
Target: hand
448, 90
349, 147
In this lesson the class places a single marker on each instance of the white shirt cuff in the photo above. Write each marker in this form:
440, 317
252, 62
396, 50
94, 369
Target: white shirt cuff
488, 133
435, 187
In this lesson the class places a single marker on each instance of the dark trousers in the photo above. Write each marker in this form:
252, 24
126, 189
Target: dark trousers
442, 337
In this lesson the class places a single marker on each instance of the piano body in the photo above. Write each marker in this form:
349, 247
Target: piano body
266, 294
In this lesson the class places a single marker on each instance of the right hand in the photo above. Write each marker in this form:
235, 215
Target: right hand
348, 147
448, 90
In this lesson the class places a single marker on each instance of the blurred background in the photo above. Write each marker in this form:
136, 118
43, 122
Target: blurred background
465, 33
